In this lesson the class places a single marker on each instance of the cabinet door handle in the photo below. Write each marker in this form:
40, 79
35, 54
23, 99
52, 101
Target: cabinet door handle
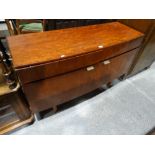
106, 62
90, 68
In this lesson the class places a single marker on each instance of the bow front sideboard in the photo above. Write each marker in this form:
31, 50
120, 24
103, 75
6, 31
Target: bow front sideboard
57, 66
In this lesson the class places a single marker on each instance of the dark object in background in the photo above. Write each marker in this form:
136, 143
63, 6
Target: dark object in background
19, 26
53, 24
146, 55
5, 54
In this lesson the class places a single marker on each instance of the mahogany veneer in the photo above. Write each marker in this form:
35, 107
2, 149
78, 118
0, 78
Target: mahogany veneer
146, 55
58, 66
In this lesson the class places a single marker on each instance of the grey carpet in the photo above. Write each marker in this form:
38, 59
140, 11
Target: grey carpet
126, 108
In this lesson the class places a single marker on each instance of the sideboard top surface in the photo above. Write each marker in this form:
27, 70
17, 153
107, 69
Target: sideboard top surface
38, 48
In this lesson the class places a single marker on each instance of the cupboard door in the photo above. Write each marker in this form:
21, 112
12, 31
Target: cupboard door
53, 91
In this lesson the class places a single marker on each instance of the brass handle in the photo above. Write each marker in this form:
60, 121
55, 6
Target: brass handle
106, 62
90, 68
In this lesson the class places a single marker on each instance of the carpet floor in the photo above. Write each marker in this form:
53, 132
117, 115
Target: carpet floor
126, 108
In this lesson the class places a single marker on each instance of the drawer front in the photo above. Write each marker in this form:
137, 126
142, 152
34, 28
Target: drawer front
50, 69
44, 94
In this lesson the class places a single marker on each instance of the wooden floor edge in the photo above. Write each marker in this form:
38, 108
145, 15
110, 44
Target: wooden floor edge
16, 125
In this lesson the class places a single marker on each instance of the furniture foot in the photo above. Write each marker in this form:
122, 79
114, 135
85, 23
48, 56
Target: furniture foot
109, 84
146, 67
55, 108
122, 77
37, 116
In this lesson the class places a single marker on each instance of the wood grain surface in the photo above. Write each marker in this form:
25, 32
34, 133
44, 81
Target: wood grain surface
146, 55
38, 48
53, 91
52, 66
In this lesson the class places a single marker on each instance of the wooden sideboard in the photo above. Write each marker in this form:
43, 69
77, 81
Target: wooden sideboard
146, 55
57, 66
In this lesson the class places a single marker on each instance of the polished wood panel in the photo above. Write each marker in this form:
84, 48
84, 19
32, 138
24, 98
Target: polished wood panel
46, 70
146, 54
141, 25
32, 49
59, 89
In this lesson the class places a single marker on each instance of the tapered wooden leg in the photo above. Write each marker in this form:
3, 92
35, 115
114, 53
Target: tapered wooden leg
55, 108
38, 116
122, 77
109, 84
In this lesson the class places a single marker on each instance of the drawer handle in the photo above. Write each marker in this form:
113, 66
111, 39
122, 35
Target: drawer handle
106, 62
90, 68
